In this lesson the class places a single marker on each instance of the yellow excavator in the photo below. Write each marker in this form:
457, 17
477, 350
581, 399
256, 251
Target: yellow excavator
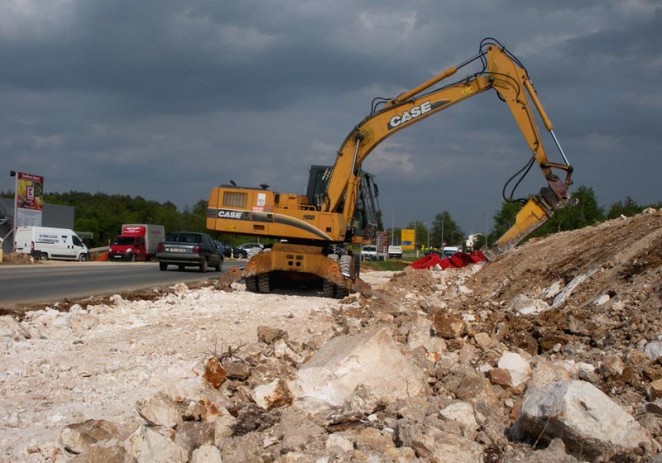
313, 230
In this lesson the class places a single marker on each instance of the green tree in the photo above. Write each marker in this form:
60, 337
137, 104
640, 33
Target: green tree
104, 214
479, 242
628, 208
586, 212
445, 231
395, 235
420, 232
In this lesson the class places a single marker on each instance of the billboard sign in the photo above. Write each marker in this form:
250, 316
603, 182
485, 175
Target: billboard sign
29, 200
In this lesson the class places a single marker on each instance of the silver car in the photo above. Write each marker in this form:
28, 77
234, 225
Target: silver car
189, 249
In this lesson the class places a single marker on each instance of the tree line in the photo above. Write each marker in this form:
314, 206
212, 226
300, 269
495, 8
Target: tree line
103, 215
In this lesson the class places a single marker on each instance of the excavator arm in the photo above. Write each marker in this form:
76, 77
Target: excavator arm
501, 72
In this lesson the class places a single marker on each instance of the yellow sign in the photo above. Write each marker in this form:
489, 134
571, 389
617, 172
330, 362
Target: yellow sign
408, 239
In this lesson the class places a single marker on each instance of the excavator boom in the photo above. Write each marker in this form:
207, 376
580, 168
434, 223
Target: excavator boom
502, 73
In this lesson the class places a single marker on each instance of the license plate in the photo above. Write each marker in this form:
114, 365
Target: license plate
176, 250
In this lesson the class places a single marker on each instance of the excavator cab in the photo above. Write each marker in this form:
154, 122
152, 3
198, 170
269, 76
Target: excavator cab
367, 214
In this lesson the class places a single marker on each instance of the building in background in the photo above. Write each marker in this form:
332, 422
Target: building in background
53, 216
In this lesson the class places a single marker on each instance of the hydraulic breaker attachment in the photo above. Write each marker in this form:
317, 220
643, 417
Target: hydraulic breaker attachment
534, 214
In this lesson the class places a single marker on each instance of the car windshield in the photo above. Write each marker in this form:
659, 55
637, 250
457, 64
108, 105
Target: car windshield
184, 238
123, 240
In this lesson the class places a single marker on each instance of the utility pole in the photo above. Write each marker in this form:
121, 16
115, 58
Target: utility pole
442, 233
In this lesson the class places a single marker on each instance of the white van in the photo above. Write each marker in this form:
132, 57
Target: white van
395, 252
370, 252
50, 243
448, 251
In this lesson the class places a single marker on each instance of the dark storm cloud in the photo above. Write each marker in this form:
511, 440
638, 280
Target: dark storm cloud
172, 57
162, 99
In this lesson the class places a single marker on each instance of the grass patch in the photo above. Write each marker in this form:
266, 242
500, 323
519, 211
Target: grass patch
392, 265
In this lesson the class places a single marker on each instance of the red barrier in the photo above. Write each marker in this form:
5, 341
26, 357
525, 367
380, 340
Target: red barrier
445, 263
426, 262
477, 256
460, 259
457, 260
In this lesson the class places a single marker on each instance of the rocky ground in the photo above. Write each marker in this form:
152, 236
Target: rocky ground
553, 353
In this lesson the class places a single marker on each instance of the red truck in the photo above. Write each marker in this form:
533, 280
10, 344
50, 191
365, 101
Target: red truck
136, 242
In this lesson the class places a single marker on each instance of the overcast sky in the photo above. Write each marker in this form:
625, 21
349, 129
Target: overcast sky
166, 98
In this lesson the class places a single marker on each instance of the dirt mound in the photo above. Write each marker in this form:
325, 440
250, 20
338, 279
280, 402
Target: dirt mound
625, 253
17, 258
603, 285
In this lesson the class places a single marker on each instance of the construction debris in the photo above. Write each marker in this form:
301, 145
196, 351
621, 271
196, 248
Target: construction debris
550, 354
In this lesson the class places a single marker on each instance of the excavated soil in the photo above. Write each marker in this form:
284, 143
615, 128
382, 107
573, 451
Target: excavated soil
601, 287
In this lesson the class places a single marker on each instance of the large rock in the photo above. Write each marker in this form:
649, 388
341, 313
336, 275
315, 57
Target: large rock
373, 359
80, 437
525, 305
588, 421
160, 410
463, 414
653, 350
206, 453
192, 434
419, 332
433, 444
554, 453
517, 366
546, 372
448, 326
298, 430
370, 440
10, 328
155, 445
273, 395
114, 453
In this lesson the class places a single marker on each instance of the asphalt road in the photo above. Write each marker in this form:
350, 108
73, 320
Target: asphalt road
55, 281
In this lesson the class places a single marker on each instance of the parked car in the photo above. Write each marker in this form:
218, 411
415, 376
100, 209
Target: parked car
448, 251
248, 246
369, 252
252, 248
395, 252
231, 251
189, 249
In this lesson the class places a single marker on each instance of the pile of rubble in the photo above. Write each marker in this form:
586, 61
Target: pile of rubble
18, 258
551, 354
